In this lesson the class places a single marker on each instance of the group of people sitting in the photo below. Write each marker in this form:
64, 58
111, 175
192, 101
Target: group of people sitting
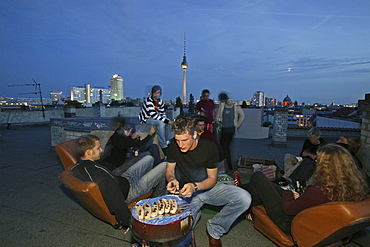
299, 170
191, 171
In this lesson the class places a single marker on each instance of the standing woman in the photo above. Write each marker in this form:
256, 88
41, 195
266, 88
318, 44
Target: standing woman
337, 178
229, 117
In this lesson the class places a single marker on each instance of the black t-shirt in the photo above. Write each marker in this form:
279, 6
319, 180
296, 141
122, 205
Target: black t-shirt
192, 166
311, 148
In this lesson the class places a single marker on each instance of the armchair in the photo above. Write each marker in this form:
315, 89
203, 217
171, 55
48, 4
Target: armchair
323, 225
88, 193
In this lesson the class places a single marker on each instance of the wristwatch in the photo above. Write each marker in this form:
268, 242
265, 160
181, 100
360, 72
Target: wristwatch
195, 187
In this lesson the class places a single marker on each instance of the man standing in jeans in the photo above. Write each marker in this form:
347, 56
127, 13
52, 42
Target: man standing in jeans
153, 112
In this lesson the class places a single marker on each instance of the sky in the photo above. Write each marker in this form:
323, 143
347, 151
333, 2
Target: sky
314, 51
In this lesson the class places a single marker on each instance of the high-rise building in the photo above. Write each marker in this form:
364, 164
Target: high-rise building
100, 94
96, 94
184, 66
259, 98
116, 88
78, 93
87, 93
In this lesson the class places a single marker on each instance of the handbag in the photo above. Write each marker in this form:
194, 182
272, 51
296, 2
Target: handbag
268, 171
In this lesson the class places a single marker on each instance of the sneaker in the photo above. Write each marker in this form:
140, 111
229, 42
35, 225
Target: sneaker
237, 181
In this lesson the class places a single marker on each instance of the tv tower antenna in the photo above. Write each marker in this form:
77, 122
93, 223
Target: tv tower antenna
184, 66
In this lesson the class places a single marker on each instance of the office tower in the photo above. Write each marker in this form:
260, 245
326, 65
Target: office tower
184, 65
100, 94
116, 87
78, 93
87, 93
97, 94
259, 98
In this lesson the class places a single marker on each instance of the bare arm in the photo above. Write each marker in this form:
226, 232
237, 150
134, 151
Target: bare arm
209, 182
173, 184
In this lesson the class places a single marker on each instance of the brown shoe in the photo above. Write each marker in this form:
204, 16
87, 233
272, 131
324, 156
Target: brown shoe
214, 242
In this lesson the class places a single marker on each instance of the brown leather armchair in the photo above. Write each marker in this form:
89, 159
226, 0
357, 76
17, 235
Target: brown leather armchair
88, 193
323, 225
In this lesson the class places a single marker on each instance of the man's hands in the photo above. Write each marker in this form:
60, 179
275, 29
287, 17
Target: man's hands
310, 155
174, 187
295, 194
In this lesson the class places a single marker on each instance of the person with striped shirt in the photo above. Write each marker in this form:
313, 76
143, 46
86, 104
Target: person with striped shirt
153, 112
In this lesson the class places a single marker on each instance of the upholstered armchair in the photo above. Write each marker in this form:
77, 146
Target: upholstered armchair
88, 193
329, 224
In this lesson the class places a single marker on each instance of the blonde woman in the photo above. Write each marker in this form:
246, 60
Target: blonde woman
337, 178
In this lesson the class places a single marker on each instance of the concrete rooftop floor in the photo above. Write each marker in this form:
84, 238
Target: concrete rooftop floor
36, 209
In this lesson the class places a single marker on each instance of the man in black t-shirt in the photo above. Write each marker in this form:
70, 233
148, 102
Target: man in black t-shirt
191, 172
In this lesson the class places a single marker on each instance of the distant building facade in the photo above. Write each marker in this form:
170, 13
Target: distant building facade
116, 88
96, 94
270, 101
34, 101
56, 96
259, 98
78, 93
100, 94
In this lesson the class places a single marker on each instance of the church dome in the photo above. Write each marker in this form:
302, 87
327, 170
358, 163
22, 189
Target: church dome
287, 98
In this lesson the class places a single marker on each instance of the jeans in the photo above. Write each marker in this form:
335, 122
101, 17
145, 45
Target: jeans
227, 135
143, 177
161, 131
268, 194
234, 199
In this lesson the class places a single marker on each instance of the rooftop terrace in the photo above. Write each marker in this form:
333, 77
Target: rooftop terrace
36, 209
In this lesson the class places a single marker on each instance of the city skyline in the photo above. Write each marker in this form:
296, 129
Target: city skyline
315, 52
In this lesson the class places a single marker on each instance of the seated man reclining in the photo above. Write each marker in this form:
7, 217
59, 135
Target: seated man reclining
117, 191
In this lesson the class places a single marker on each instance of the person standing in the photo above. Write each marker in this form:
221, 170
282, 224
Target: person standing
206, 108
191, 172
153, 112
229, 117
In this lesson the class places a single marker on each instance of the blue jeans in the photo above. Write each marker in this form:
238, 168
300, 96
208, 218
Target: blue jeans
143, 177
234, 199
161, 131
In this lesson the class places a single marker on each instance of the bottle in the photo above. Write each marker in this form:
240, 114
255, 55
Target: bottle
299, 188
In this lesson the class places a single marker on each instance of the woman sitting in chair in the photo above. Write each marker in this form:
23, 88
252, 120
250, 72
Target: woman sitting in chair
337, 178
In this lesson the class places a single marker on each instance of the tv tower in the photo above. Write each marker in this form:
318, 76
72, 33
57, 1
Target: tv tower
184, 65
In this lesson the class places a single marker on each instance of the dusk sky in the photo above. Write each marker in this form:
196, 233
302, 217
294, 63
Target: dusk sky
313, 51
